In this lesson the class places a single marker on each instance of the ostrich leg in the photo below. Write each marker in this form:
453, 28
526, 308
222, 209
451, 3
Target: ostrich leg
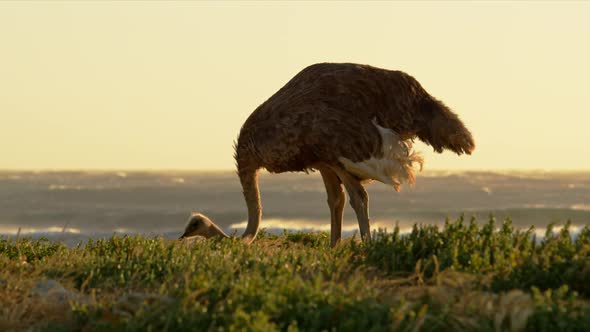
359, 200
336, 201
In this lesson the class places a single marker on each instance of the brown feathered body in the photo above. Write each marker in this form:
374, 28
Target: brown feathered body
327, 111
352, 123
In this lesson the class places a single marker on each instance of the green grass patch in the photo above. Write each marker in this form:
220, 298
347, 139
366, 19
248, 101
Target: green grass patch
465, 276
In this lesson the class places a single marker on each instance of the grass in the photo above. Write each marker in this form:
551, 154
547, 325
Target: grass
463, 277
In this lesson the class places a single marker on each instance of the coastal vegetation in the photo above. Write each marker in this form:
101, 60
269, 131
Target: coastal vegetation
465, 276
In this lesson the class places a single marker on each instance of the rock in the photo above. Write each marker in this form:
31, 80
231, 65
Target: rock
52, 291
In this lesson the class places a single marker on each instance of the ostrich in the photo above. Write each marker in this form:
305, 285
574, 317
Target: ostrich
354, 124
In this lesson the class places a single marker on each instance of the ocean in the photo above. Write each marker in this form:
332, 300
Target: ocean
73, 206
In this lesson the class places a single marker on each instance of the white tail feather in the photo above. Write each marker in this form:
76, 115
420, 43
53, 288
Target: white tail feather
394, 167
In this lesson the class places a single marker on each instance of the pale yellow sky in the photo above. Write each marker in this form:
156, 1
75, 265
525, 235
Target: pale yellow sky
160, 85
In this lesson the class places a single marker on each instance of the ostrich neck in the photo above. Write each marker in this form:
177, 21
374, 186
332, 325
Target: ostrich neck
249, 181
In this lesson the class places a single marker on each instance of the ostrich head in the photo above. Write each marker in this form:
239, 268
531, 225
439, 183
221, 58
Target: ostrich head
200, 225
442, 129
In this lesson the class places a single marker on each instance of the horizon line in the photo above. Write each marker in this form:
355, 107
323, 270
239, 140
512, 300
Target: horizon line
228, 170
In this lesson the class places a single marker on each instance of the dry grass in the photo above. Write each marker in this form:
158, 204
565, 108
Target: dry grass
293, 281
